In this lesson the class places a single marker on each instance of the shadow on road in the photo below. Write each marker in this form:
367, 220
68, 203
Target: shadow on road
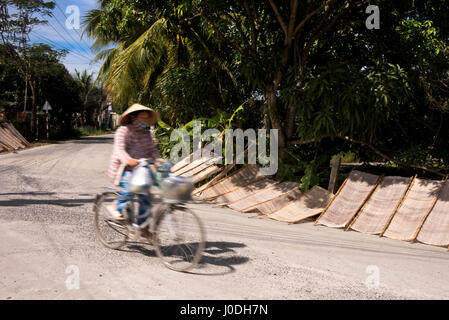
54, 202
89, 140
216, 254
97, 139
39, 193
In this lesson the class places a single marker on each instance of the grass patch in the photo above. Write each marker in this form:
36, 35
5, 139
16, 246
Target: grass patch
84, 132
39, 144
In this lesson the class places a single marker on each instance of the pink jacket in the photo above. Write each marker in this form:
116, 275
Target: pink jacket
130, 143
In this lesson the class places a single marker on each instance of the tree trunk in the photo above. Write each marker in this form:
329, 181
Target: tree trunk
267, 123
290, 116
33, 107
271, 110
290, 121
26, 94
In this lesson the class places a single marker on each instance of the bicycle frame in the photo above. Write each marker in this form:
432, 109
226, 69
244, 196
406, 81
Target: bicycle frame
165, 205
166, 234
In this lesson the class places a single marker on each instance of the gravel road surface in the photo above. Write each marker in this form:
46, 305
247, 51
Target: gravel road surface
47, 240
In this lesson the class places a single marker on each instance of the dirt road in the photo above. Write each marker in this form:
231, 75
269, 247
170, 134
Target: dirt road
48, 242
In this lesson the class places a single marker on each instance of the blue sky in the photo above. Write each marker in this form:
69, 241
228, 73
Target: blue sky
56, 34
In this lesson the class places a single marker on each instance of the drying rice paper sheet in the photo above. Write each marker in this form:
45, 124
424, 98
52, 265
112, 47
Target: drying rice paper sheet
435, 230
409, 217
349, 200
307, 205
239, 178
379, 209
263, 196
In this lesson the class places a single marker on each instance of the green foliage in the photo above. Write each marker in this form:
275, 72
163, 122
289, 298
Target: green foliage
66, 94
10, 81
346, 102
199, 59
302, 169
162, 59
86, 131
91, 96
348, 157
221, 121
309, 179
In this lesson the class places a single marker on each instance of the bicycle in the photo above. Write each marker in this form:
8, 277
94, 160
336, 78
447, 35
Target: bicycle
177, 233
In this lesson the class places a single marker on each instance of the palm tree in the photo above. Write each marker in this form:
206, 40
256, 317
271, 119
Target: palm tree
143, 53
90, 95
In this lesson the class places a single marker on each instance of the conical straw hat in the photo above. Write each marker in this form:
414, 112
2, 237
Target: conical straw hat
126, 119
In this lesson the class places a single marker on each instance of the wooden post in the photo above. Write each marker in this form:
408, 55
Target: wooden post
335, 167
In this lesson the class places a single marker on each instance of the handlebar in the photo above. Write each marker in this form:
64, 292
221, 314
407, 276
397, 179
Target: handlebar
165, 166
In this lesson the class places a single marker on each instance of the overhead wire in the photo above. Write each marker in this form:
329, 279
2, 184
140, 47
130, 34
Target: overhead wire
65, 39
84, 58
77, 42
76, 30
59, 46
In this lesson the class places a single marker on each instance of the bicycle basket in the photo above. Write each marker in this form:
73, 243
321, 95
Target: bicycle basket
177, 188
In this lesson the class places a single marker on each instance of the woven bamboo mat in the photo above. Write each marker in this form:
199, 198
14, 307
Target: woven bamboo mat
435, 230
182, 163
214, 180
248, 203
206, 173
194, 164
382, 204
348, 201
196, 167
245, 191
307, 205
270, 205
414, 208
198, 154
239, 178
10, 138
7, 139
16, 133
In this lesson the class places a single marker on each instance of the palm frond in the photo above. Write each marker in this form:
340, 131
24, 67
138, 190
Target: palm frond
132, 66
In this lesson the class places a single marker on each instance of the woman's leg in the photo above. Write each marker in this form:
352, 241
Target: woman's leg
145, 203
144, 207
126, 195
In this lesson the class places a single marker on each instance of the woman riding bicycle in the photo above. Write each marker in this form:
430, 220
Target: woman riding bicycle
132, 141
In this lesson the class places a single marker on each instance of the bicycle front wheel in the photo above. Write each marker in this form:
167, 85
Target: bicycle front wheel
112, 233
178, 238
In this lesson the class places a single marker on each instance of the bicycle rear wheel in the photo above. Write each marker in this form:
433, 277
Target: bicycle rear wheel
178, 237
112, 233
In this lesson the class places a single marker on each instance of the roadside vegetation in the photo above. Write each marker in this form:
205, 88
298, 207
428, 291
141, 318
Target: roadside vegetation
85, 132
311, 69
32, 73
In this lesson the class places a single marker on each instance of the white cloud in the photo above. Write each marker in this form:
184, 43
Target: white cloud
71, 67
90, 3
